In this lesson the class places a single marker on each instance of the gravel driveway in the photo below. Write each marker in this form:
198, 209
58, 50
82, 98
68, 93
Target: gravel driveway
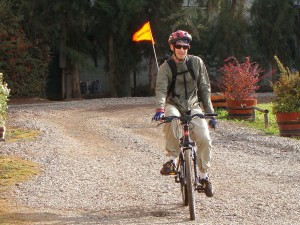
101, 160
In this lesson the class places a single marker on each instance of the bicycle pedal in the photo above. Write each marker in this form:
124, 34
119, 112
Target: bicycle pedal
200, 189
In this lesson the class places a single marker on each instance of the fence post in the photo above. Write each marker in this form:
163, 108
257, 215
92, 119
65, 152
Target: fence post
253, 115
266, 119
265, 111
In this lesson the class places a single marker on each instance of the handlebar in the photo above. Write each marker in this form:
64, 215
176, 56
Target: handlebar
185, 118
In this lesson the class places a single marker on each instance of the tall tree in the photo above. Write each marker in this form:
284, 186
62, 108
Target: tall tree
227, 34
119, 20
273, 29
63, 26
296, 52
23, 62
102, 28
112, 28
214, 25
157, 12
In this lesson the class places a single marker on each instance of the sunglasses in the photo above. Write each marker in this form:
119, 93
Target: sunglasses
185, 47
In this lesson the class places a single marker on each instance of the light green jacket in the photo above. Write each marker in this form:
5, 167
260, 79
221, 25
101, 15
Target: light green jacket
198, 90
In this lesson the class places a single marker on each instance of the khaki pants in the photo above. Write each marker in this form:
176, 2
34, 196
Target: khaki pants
198, 131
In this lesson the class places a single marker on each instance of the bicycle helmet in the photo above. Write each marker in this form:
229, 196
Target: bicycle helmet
180, 35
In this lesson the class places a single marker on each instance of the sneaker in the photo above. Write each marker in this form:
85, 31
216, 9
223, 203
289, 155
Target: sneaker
168, 168
207, 187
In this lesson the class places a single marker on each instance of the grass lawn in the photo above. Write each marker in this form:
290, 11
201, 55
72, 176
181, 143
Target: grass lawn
259, 122
14, 170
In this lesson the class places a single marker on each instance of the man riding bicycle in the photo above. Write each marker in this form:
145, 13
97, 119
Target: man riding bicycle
182, 83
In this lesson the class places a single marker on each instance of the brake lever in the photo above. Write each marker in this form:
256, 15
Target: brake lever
160, 123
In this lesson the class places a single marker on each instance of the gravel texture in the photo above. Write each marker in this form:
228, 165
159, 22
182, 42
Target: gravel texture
101, 158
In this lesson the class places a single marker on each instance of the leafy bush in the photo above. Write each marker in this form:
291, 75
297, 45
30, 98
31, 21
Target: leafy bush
239, 80
4, 93
24, 63
287, 90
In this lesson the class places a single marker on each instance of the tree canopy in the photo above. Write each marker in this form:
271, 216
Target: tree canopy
32, 31
274, 28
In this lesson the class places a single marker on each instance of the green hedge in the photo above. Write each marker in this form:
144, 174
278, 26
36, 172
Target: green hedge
4, 93
24, 63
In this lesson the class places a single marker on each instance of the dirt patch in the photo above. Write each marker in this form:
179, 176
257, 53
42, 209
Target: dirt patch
101, 161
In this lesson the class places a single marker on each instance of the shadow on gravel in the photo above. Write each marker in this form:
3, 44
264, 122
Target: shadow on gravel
31, 218
146, 214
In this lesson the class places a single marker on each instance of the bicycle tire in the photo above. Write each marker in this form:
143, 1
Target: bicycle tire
183, 187
189, 183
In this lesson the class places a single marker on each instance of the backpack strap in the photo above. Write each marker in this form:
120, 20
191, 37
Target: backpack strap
173, 67
190, 68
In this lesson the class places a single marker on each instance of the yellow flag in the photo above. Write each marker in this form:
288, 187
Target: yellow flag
143, 34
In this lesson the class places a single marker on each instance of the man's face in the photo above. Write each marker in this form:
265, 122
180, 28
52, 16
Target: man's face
180, 50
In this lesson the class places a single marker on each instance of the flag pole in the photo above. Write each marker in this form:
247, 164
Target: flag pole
153, 46
155, 56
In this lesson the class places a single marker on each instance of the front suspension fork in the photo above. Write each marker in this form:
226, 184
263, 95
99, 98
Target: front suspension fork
194, 157
181, 162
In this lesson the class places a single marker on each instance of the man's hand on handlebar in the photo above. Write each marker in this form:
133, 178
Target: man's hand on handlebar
212, 123
160, 113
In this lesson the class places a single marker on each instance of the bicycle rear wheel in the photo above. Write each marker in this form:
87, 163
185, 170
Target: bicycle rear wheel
189, 183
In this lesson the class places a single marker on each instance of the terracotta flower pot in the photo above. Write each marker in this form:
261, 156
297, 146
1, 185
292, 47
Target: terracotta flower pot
240, 109
288, 123
218, 101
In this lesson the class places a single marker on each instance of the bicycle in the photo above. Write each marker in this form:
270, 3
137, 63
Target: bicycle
186, 170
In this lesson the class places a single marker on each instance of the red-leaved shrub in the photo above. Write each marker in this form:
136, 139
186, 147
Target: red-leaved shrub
239, 80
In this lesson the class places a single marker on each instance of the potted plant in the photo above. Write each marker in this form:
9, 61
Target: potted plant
238, 84
218, 100
286, 105
4, 93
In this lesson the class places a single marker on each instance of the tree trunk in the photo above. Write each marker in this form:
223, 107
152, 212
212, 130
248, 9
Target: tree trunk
124, 83
111, 65
152, 79
75, 81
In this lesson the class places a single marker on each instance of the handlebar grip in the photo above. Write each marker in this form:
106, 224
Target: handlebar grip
168, 119
211, 114
205, 115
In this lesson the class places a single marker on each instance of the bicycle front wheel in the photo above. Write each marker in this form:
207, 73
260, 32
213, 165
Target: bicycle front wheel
189, 182
183, 187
